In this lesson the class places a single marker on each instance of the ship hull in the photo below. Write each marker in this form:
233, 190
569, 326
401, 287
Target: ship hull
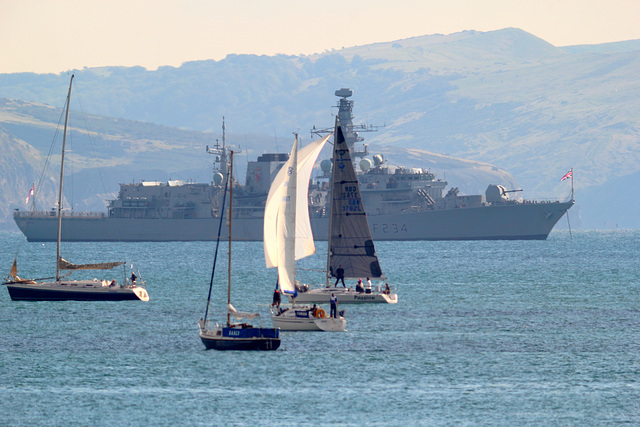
517, 221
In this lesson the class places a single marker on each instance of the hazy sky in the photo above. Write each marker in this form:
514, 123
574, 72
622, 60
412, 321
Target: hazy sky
58, 35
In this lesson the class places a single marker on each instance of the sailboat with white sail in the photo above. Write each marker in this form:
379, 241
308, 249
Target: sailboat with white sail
61, 288
288, 237
351, 253
233, 336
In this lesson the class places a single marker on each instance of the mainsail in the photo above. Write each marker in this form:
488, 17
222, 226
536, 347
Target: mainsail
239, 315
66, 265
350, 242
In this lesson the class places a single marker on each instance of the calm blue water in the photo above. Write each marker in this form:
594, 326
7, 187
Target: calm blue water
500, 333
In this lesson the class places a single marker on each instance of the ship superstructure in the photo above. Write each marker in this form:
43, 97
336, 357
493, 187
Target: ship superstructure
401, 203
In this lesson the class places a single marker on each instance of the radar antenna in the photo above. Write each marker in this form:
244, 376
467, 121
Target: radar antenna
345, 116
221, 160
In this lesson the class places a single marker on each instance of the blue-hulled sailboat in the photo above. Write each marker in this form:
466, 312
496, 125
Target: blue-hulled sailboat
233, 336
61, 289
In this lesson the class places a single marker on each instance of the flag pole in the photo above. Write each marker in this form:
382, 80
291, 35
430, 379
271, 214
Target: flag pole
572, 184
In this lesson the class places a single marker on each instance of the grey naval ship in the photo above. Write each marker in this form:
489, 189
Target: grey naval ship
401, 204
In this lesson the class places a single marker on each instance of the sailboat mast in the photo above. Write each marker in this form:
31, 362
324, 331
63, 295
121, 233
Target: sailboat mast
64, 141
331, 196
230, 221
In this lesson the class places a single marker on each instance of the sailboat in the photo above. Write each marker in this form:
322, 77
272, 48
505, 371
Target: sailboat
63, 289
288, 237
350, 247
233, 336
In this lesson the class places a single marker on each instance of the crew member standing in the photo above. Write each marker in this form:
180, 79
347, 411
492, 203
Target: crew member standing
340, 276
334, 306
276, 297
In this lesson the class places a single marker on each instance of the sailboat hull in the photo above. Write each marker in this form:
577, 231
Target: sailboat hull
240, 339
345, 296
74, 291
301, 319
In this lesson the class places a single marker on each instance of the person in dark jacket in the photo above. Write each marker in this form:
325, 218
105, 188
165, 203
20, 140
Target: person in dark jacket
276, 297
340, 276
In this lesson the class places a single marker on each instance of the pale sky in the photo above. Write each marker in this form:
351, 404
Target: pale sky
58, 35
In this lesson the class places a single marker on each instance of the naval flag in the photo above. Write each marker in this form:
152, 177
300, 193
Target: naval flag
29, 195
567, 175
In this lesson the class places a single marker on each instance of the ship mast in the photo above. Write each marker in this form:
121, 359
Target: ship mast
345, 117
223, 157
220, 152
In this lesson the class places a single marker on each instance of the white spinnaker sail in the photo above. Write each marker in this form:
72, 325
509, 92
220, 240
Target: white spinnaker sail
307, 157
286, 225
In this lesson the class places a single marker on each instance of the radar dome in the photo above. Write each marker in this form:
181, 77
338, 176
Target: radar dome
365, 164
325, 165
217, 178
377, 159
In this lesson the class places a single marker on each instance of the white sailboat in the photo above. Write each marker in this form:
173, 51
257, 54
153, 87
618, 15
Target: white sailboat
63, 289
288, 237
233, 336
350, 246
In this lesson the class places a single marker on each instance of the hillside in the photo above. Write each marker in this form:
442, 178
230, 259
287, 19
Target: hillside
504, 98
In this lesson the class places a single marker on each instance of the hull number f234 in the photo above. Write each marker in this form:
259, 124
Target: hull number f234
389, 228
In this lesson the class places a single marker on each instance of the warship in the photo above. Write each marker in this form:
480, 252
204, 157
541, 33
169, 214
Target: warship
401, 203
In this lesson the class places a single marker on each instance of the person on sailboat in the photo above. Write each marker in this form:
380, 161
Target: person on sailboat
334, 306
387, 289
368, 288
359, 286
133, 278
276, 297
340, 276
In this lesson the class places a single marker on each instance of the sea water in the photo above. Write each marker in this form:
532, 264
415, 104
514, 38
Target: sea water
485, 333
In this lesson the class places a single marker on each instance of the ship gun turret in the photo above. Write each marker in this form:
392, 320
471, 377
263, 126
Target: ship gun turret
498, 193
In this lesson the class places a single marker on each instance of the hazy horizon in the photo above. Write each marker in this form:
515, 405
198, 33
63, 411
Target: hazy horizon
54, 36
